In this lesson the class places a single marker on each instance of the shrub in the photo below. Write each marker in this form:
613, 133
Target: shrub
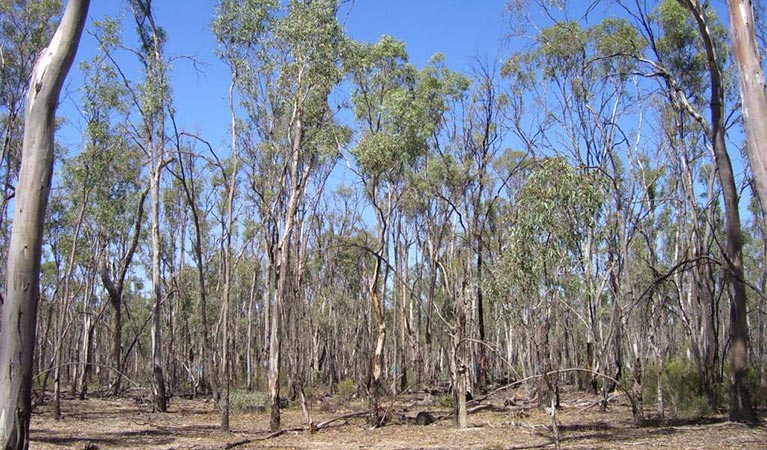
754, 381
445, 400
649, 384
346, 389
247, 401
682, 388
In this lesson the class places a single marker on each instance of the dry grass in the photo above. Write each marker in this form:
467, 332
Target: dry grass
192, 425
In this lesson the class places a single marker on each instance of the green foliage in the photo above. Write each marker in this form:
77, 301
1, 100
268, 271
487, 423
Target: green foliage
616, 44
681, 49
236, 23
563, 45
346, 389
755, 387
398, 108
681, 388
25, 28
555, 208
446, 401
245, 401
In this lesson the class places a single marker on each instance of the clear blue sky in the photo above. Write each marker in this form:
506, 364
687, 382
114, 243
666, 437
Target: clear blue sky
461, 29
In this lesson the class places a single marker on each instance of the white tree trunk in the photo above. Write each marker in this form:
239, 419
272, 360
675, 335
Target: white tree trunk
19, 308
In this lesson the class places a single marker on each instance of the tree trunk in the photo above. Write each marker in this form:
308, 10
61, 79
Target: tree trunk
19, 309
114, 287
752, 90
298, 178
158, 379
228, 261
459, 375
741, 408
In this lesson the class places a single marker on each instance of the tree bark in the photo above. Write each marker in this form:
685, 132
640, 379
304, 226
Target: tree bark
741, 408
19, 309
753, 91
158, 380
298, 178
114, 288
228, 261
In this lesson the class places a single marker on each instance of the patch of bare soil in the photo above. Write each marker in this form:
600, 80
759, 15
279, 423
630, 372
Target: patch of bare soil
192, 425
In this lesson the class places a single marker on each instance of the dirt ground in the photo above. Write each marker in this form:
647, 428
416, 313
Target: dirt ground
192, 425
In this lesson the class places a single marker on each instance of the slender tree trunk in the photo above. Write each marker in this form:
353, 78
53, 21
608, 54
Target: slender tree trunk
228, 262
158, 379
376, 382
19, 309
297, 178
249, 335
741, 407
114, 287
753, 91
63, 306
87, 351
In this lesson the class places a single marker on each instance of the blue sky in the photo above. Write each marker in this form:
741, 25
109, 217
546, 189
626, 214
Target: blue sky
461, 29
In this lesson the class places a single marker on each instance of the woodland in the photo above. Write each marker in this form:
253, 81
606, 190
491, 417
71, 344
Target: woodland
564, 247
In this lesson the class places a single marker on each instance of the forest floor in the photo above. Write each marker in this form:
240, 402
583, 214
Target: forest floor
193, 425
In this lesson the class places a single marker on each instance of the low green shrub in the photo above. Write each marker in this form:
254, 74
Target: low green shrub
445, 400
247, 401
346, 389
682, 387
758, 392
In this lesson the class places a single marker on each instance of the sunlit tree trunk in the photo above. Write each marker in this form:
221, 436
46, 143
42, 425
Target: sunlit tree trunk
228, 262
19, 309
741, 407
753, 91
63, 306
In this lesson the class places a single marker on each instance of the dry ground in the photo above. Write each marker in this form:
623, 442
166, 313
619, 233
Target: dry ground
192, 425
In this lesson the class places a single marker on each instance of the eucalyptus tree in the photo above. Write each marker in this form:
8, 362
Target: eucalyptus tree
286, 64
672, 40
581, 79
153, 102
117, 200
398, 112
689, 58
469, 115
709, 32
19, 312
25, 28
538, 270
393, 133
752, 90
236, 24
439, 97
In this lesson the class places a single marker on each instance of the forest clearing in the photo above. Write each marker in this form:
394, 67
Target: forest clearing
193, 425
500, 224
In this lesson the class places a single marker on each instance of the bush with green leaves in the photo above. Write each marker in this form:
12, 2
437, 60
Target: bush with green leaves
758, 391
681, 387
247, 401
346, 389
445, 401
